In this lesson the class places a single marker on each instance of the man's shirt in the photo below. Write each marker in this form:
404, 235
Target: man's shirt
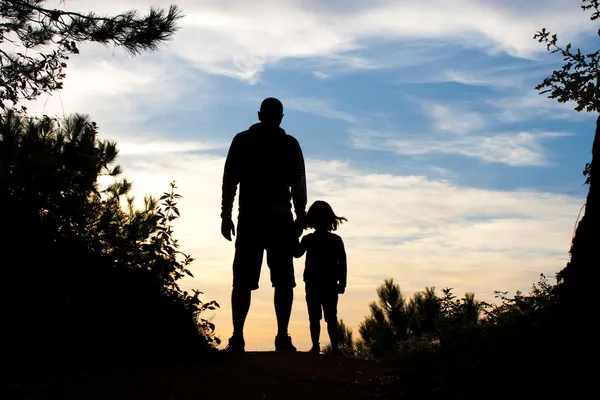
268, 164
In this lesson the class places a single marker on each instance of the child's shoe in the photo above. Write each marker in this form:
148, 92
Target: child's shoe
336, 351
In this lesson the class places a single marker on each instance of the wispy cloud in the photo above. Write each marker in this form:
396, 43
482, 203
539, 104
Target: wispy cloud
514, 148
150, 146
240, 38
446, 119
530, 105
504, 74
122, 89
320, 107
461, 132
321, 75
443, 172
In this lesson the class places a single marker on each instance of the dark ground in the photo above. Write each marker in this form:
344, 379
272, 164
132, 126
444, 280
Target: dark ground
260, 375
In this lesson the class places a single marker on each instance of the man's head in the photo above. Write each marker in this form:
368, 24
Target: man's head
271, 112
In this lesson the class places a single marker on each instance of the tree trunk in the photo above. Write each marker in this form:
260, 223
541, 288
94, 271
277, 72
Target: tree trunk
580, 274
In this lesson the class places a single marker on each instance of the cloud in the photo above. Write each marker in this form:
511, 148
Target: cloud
530, 105
240, 38
321, 108
449, 120
420, 230
444, 172
147, 146
461, 132
119, 89
514, 148
504, 77
455, 130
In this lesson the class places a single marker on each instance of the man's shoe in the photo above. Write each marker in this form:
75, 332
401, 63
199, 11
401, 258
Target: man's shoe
237, 344
315, 350
284, 343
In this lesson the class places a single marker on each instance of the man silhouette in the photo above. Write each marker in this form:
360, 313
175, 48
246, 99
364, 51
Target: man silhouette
269, 166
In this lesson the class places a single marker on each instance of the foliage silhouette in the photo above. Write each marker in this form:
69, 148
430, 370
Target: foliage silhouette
469, 341
345, 338
423, 311
55, 34
578, 80
387, 324
394, 321
88, 277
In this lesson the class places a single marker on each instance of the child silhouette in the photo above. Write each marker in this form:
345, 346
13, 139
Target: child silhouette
325, 271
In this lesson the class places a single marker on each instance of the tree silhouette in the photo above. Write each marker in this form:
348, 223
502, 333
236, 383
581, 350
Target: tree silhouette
42, 39
395, 325
387, 322
393, 303
87, 276
423, 311
579, 80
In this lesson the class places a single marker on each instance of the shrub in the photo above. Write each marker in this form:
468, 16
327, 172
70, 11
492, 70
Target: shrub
88, 277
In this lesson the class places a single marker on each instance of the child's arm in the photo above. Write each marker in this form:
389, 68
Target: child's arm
300, 248
343, 267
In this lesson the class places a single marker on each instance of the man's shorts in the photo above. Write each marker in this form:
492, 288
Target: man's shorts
321, 298
275, 234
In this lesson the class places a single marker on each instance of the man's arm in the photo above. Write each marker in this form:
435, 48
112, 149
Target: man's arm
298, 179
231, 178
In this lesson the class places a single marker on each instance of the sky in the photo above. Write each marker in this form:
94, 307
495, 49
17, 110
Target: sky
419, 123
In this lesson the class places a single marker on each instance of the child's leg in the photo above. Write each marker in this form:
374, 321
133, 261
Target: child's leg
313, 304
332, 330
330, 311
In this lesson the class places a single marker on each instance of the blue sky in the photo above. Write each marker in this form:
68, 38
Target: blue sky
419, 122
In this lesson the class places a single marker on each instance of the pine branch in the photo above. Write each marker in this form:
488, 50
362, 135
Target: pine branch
128, 30
26, 23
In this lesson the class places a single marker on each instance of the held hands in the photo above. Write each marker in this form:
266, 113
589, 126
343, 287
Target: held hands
227, 228
300, 225
341, 289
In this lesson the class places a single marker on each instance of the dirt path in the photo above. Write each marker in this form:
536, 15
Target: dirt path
263, 375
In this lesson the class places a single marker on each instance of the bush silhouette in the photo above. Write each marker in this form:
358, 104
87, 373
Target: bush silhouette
345, 340
425, 318
87, 277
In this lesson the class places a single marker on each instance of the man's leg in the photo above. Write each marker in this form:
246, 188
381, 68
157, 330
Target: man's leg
246, 274
315, 333
284, 298
280, 260
240, 305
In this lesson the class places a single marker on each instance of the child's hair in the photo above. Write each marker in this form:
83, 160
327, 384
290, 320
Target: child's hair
320, 214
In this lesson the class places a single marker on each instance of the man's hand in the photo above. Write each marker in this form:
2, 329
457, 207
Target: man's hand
341, 289
227, 228
300, 225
